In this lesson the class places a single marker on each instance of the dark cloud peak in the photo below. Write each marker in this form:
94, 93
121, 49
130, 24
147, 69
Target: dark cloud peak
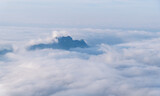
64, 42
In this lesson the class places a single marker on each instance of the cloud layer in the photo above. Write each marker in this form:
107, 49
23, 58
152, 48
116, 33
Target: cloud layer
129, 65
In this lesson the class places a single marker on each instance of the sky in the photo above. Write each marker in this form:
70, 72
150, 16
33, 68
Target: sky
127, 14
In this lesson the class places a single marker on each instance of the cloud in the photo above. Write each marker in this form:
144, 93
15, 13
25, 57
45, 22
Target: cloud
4, 51
127, 68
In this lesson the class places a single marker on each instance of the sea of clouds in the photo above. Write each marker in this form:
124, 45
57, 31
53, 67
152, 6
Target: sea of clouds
118, 63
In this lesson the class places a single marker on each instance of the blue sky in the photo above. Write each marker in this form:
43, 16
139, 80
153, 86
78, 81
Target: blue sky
81, 13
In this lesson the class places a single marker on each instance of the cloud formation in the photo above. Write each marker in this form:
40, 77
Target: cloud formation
127, 68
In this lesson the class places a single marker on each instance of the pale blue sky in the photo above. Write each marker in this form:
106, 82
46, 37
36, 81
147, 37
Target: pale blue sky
81, 13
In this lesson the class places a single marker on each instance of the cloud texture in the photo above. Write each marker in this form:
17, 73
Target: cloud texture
129, 65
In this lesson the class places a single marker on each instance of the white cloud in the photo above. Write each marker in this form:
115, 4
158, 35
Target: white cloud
129, 68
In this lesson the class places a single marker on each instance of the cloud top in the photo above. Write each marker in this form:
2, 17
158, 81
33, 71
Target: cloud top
128, 68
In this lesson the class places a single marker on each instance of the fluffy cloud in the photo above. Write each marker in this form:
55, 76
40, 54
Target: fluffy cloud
127, 68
